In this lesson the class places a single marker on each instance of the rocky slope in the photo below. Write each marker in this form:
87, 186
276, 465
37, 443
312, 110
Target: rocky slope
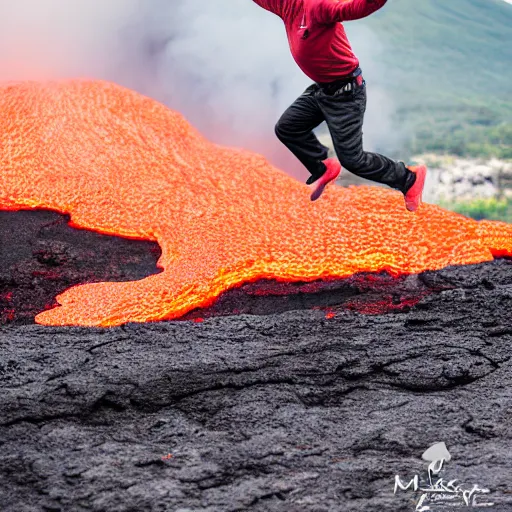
464, 179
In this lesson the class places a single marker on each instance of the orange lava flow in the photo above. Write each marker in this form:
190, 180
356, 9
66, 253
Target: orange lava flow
123, 164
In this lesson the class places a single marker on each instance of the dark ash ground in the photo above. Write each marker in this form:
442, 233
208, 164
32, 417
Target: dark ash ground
283, 412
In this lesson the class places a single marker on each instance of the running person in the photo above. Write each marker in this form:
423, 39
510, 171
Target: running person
320, 47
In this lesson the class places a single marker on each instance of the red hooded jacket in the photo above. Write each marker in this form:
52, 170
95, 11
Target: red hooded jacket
317, 39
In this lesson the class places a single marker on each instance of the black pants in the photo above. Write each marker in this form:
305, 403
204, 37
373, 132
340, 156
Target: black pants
343, 112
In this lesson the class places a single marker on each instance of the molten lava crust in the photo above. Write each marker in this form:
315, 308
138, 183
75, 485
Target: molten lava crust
123, 164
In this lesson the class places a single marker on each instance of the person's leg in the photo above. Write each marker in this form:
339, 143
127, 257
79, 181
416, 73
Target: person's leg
344, 114
295, 130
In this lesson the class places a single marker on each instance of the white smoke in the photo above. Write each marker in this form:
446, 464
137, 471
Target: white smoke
59, 38
224, 64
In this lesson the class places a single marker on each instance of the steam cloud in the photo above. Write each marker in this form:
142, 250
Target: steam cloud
224, 64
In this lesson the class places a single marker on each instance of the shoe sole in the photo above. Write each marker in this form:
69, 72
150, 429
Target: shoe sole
420, 175
321, 186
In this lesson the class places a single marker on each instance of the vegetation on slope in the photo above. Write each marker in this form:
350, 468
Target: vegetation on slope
450, 65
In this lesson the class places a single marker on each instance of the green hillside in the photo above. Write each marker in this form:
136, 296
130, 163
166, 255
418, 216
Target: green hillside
450, 68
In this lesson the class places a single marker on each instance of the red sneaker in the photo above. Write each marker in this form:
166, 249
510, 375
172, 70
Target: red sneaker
331, 173
413, 195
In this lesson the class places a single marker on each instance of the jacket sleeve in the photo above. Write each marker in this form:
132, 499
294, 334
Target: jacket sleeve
332, 11
275, 6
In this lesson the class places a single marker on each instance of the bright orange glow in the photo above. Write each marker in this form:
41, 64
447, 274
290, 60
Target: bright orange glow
123, 164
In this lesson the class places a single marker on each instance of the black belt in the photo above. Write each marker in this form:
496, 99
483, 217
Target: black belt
348, 81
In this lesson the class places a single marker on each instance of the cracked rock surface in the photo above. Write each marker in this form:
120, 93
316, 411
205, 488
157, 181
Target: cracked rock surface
297, 411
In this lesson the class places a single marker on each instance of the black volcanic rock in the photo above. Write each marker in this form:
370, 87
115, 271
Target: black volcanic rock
41, 256
305, 410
